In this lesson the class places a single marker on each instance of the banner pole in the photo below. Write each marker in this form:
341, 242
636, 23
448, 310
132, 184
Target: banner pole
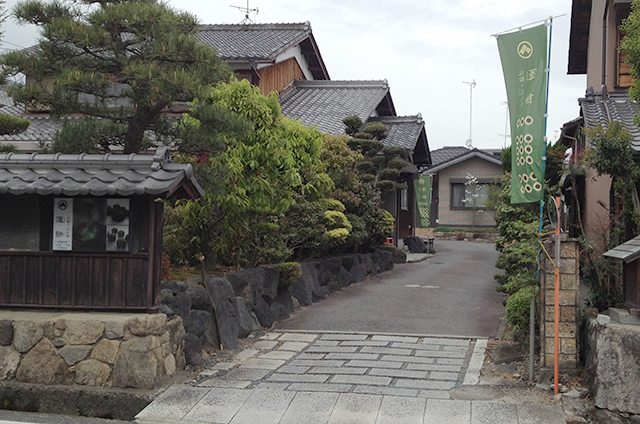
532, 305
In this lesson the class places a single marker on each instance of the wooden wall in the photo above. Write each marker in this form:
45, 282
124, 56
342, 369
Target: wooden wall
88, 280
276, 77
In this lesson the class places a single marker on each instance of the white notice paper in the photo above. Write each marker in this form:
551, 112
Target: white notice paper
62, 223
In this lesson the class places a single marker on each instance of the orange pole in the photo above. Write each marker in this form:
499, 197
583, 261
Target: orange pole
556, 310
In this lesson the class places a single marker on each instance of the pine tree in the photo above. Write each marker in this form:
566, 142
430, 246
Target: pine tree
120, 63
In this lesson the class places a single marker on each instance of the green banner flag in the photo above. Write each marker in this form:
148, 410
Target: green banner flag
422, 188
524, 61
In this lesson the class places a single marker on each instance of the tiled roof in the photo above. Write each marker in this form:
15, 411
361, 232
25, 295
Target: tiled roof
324, 104
404, 131
447, 156
97, 175
255, 41
599, 109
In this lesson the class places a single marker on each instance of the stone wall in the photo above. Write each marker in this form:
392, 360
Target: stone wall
611, 369
112, 350
135, 350
466, 236
223, 310
569, 286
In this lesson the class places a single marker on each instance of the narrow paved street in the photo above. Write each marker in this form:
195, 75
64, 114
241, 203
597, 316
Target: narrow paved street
401, 348
451, 293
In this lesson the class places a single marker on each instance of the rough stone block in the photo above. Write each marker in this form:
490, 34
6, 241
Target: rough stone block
566, 297
192, 350
199, 297
106, 351
611, 368
92, 373
6, 332
79, 332
74, 354
148, 324
329, 274
568, 250
26, 334
9, 361
114, 329
246, 322
139, 363
43, 365
568, 346
224, 298
368, 267
565, 329
569, 282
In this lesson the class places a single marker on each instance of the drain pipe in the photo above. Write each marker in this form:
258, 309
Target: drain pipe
605, 15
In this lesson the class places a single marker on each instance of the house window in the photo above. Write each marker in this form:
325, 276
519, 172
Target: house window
465, 196
404, 199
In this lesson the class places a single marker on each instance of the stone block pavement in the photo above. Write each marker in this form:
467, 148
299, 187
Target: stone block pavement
336, 378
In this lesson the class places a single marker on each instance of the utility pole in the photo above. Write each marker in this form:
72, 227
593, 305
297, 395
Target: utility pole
471, 85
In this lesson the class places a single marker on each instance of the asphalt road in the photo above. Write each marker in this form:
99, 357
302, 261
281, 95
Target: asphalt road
452, 293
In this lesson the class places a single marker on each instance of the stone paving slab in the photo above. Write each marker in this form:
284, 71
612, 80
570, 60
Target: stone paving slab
334, 378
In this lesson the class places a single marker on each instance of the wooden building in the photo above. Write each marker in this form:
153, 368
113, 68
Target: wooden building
84, 232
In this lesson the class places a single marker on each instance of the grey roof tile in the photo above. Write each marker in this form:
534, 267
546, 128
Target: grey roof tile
324, 104
442, 158
446, 154
620, 108
253, 42
404, 131
96, 175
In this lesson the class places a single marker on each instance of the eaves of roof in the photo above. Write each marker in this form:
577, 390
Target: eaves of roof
263, 43
598, 109
474, 153
579, 36
97, 175
628, 251
324, 104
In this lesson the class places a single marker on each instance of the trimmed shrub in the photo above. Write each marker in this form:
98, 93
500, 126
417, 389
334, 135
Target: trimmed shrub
289, 273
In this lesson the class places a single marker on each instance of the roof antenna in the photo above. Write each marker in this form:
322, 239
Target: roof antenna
246, 10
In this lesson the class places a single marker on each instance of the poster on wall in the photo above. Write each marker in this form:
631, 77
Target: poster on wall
62, 224
117, 225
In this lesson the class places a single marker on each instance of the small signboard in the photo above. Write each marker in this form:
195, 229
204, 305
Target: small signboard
62, 224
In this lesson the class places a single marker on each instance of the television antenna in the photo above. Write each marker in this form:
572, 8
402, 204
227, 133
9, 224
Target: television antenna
246, 10
471, 84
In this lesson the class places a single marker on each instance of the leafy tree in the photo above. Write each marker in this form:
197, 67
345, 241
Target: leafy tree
253, 169
371, 224
120, 63
9, 125
381, 164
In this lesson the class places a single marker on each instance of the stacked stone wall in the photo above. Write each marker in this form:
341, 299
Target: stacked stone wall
112, 351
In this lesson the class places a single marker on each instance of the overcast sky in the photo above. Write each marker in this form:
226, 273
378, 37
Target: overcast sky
425, 49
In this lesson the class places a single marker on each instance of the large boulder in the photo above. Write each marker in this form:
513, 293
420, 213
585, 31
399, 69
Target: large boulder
200, 298
383, 260
346, 278
246, 322
611, 368
415, 244
43, 365
139, 363
367, 265
199, 322
192, 350
329, 271
226, 312
264, 314
74, 354
174, 286
282, 306
399, 257
254, 285
352, 264
178, 302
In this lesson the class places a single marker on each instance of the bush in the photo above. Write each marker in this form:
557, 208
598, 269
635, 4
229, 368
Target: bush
289, 273
517, 309
389, 248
